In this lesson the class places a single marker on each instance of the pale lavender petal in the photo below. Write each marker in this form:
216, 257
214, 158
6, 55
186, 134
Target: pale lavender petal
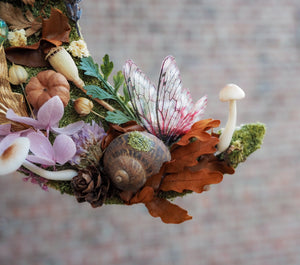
11, 115
41, 146
69, 129
40, 160
7, 141
64, 148
5, 129
50, 113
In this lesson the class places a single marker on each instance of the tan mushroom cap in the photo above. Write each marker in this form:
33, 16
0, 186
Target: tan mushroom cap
231, 92
13, 157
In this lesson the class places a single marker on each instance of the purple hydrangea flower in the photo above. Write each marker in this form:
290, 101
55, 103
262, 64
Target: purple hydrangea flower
88, 145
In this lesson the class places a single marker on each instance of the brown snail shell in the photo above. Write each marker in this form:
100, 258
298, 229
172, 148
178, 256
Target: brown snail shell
133, 157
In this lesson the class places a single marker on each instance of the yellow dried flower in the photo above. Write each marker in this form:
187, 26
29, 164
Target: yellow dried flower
78, 48
83, 106
17, 37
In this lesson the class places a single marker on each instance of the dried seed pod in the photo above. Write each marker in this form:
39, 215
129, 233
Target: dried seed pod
133, 157
83, 106
17, 74
63, 63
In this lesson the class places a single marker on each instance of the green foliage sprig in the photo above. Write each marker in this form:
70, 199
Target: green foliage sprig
91, 68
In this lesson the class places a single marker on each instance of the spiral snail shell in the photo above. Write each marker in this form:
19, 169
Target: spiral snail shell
133, 157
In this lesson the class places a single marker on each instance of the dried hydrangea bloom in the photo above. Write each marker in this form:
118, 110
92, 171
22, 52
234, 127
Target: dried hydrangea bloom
17, 37
88, 142
167, 111
78, 48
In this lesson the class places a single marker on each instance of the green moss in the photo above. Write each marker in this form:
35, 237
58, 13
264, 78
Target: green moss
245, 141
62, 186
140, 142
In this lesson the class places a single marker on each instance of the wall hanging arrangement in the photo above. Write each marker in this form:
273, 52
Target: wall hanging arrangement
65, 126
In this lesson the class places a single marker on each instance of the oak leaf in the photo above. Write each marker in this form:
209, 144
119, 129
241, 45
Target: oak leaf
189, 180
17, 20
168, 212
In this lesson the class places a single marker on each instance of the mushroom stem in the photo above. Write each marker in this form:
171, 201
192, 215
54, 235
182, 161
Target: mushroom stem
227, 133
66, 175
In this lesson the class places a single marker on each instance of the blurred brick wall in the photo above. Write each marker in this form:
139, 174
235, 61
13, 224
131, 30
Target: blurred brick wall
251, 217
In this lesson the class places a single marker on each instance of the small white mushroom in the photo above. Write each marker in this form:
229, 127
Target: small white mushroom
67, 174
14, 155
231, 93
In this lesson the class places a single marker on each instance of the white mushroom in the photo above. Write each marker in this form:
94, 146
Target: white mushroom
14, 155
231, 93
67, 174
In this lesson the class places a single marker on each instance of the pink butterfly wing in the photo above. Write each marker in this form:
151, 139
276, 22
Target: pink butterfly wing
142, 95
171, 100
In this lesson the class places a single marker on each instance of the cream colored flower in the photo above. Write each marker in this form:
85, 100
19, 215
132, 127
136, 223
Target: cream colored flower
17, 37
78, 48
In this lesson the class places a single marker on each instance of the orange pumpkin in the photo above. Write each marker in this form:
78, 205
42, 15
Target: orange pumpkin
46, 85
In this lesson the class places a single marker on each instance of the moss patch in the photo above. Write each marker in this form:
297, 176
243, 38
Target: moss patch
245, 140
140, 142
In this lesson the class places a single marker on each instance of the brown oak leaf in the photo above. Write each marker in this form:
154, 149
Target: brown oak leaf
17, 20
168, 212
189, 180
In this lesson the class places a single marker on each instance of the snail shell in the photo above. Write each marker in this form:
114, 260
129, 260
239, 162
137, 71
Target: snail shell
63, 63
133, 157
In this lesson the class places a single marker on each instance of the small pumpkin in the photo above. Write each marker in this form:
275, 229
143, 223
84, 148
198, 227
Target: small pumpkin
46, 85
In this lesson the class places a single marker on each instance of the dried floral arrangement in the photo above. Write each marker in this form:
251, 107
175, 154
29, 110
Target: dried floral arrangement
65, 126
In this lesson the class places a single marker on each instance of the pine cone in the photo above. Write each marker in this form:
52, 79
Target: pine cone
89, 186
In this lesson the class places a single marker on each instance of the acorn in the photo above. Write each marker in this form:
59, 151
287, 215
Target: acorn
132, 158
83, 106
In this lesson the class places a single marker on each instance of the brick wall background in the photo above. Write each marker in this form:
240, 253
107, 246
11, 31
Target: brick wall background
251, 217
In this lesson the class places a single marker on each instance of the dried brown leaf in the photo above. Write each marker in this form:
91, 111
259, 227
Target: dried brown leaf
31, 55
28, 2
168, 212
15, 17
189, 180
56, 27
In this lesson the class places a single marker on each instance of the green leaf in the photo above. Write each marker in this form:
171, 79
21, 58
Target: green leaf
97, 92
106, 67
126, 94
118, 80
90, 68
117, 117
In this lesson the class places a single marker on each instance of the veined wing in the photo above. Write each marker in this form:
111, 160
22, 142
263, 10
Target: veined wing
172, 100
142, 95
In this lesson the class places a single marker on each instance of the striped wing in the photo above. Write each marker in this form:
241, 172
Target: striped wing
142, 94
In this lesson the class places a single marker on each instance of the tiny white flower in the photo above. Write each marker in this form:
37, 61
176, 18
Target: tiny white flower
78, 48
17, 37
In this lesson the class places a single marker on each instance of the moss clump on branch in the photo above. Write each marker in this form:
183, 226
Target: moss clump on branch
245, 140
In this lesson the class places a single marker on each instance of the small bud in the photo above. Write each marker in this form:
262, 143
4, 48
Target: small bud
83, 106
17, 74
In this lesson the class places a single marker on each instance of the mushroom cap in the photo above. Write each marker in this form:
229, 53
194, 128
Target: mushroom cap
231, 92
14, 156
